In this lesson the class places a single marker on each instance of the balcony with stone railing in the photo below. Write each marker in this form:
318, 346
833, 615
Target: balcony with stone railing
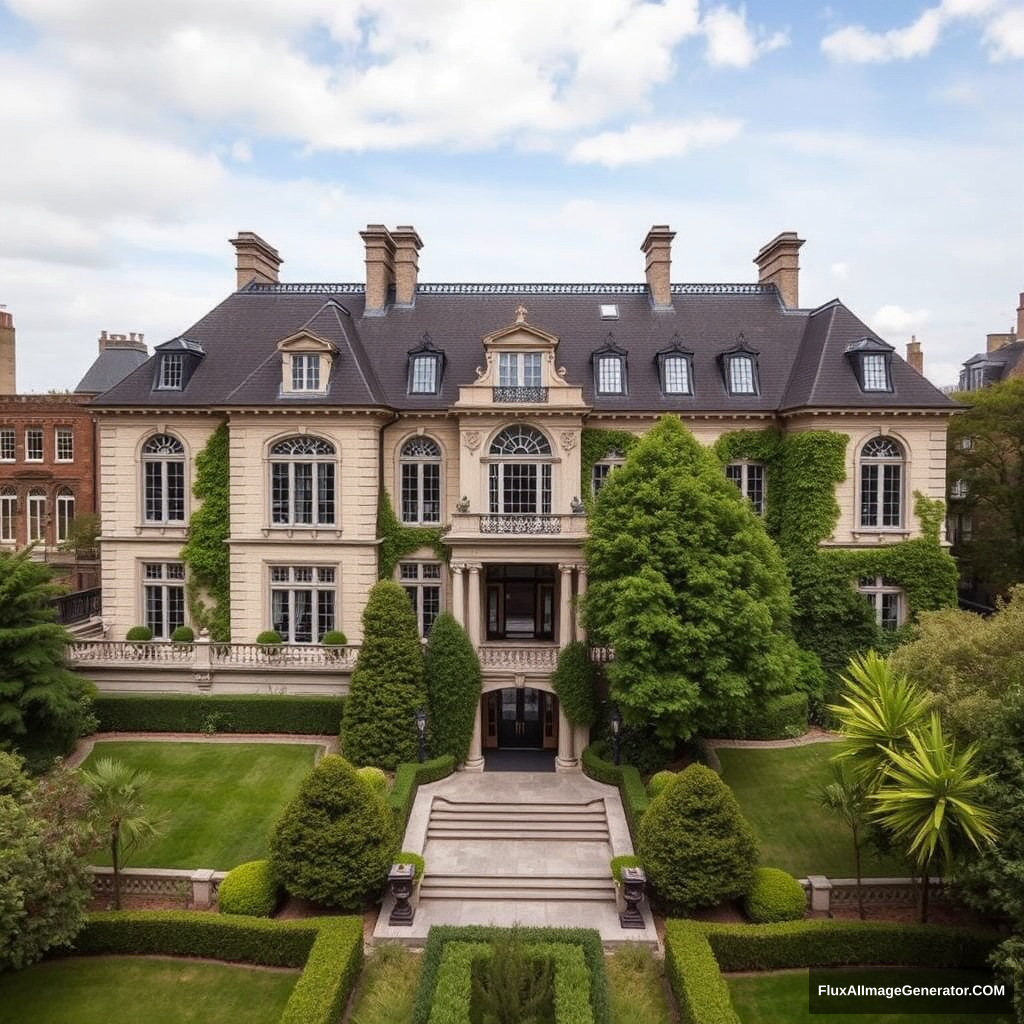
522, 659
523, 524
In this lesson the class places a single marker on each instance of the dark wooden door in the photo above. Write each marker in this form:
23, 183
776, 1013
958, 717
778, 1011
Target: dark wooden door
520, 718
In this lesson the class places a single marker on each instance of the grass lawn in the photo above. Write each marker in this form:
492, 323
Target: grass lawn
223, 798
636, 987
778, 792
126, 990
782, 999
387, 987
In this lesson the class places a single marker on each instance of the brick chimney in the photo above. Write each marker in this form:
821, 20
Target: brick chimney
778, 263
993, 342
915, 357
7, 353
380, 267
255, 260
133, 341
407, 263
1020, 318
657, 250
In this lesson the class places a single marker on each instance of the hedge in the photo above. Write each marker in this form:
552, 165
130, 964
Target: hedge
250, 889
778, 718
587, 940
626, 778
695, 977
330, 950
182, 712
775, 896
408, 778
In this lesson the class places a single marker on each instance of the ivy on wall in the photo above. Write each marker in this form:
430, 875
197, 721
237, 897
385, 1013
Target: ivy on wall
594, 446
206, 551
398, 541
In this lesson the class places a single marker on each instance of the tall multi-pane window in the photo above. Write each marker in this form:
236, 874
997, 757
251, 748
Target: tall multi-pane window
881, 483
610, 375
741, 376
519, 481
37, 514
64, 439
424, 374
749, 479
422, 582
302, 602
7, 444
676, 374
34, 445
163, 597
305, 372
8, 507
65, 513
302, 482
604, 468
519, 369
163, 480
420, 463
885, 598
172, 371
876, 376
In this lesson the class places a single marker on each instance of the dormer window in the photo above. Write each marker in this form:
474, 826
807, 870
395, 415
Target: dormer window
739, 369
176, 361
426, 365
872, 363
519, 369
305, 372
875, 377
675, 369
307, 360
610, 368
171, 371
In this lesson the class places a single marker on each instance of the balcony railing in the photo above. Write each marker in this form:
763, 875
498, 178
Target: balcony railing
278, 655
517, 524
531, 395
77, 607
519, 657
201, 656
119, 652
520, 523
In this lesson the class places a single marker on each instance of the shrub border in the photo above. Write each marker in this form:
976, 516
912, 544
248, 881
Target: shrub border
328, 949
630, 785
408, 779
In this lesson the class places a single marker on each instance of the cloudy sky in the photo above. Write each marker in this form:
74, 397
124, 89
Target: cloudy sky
527, 140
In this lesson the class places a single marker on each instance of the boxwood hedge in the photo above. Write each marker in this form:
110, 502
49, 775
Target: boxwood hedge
628, 780
694, 975
408, 778
249, 888
775, 896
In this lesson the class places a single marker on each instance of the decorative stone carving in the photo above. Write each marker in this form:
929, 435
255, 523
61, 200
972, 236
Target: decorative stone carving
463, 504
520, 314
567, 439
472, 439
577, 506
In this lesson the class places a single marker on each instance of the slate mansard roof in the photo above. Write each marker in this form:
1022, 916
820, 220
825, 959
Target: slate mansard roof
802, 361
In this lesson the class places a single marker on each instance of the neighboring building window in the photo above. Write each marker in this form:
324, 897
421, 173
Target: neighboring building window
519, 370
604, 468
8, 506
422, 582
33, 445
520, 482
65, 513
302, 602
885, 598
163, 597
305, 372
7, 445
959, 527
65, 438
610, 375
420, 463
875, 370
958, 489
676, 376
163, 479
172, 371
966, 443
37, 514
881, 483
977, 378
749, 479
424, 375
742, 380
302, 482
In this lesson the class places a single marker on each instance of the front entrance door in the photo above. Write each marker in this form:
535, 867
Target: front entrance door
519, 718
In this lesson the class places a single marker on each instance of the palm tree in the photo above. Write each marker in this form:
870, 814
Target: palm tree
878, 711
928, 802
847, 795
116, 801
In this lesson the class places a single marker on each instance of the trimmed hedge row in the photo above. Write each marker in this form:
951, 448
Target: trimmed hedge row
182, 712
586, 940
696, 980
408, 778
777, 718
626, 778
330, 949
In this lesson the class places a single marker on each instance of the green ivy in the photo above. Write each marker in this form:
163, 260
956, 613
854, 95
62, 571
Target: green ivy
594, 446
206, 551
398, 541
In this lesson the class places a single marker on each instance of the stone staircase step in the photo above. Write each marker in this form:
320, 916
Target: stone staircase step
519, 895
506, 834
590, 807
583, 880
556, 825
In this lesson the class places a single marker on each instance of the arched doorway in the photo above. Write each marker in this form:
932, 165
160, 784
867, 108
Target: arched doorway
520, 728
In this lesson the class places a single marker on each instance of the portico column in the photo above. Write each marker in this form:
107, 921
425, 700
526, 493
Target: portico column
473, 604
565, 606
565, 760
458, 594
475, 759
581, 590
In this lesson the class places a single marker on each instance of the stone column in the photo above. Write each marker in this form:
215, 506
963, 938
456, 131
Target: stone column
473, 604
565, 606
565, 760
581, 590
458, 593
475, 759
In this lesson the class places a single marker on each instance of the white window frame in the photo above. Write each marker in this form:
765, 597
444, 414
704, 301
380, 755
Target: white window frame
164, 459
412, 473
169, 576
874, 372
28, 456
290, 580
8, 443
35, 505
542, 460
64, 441
172, 371
603, 468
742, 481
65, 498
686, 387
737, 384
423, 378
611, 375
414, 579
520, 369
323, 471
8, 510
875, 589
306, 368
877, 466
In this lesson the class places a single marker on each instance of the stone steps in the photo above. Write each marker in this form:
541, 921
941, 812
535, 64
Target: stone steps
562, 822
557, 888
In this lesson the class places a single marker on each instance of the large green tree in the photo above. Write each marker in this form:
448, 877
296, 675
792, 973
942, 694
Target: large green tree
452, 672
41, 702
689, 590
387, 688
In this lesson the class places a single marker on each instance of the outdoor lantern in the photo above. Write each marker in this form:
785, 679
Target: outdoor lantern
634, 881
421, 733
616, 724
400, 879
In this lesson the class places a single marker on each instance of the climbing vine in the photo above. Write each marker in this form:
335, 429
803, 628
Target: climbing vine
594, 446
206, 551
398, 541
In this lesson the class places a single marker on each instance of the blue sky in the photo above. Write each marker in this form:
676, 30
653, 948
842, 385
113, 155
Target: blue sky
535, 140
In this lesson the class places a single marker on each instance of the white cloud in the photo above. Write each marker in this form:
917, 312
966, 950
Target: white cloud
241, 150
1005, 35
654, 140
897, 320
731, 42
840, 270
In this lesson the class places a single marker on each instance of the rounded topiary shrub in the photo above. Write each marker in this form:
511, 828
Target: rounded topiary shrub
696, 846
374, 778
658, 782
775, 896
183, 635
269, 636
251, 889
336, 839
139, 634
334, 638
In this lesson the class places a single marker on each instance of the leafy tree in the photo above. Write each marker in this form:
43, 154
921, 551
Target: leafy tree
452, 672
44, 882
83, 533
847, 796
695, 844
573, 681
336, 840
119, 811
387, 685
42, 708
689, 590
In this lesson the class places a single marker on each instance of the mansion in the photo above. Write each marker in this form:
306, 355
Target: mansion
466, 407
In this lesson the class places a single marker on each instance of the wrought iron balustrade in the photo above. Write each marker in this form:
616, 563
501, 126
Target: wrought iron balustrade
534, 395
520, 523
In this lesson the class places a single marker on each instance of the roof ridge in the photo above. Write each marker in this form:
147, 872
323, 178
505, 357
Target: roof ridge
515, 288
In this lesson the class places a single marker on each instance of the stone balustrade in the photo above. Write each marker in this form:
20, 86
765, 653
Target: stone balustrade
119, 652
534, 658
284, 655
197, 889
202, 656
830, 894
470, 524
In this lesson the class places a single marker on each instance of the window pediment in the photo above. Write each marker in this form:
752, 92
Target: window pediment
306, 362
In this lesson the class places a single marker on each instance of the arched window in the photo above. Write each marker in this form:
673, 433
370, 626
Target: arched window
302, 487
37, 514
163, 479
8, 507
420, 461
65, 512
520, 479
881, 483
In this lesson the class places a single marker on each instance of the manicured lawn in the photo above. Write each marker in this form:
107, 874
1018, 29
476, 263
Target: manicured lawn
782, 999
636, 987
126, 990
223, 798
387, 988
778, 791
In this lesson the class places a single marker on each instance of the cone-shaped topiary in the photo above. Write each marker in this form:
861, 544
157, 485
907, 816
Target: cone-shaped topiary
573, 681
453, 687
387, 686
696, 846
336, 839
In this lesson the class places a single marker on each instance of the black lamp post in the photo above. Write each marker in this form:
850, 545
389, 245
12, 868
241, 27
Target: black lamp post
616, 724
421, 733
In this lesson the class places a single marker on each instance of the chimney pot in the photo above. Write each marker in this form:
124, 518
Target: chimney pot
657, 250
407, 263
778, 263
255, 260
380, 267
915, 357
1020, 317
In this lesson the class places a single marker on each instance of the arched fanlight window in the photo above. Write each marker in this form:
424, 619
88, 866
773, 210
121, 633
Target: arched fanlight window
302, 482
163, 479
520, 441
881, 483
519, 481
420, 461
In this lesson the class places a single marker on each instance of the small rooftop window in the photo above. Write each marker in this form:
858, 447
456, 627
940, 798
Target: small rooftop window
609, 311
